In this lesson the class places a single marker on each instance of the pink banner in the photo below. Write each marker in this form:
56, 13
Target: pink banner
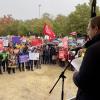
1, 45
61, 54
65, 42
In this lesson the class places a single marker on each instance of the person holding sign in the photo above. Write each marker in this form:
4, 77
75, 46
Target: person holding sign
88, 78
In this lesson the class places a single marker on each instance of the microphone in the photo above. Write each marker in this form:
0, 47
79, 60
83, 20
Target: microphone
85, 45
93, 8
76, 49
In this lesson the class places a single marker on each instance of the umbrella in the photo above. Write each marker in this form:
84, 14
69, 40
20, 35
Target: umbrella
60, 44
72, 44
50, 44
57, 41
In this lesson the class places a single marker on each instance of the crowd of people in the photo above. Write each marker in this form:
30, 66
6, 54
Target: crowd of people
10, 57
16, 54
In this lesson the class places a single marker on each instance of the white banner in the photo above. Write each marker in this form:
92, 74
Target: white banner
5, 43
33, 56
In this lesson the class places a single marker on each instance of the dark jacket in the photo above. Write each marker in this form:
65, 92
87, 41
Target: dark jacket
88, 78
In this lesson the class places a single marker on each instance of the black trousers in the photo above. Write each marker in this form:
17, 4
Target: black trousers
5, 65
31, 64
0, 67
11, 69
21, 67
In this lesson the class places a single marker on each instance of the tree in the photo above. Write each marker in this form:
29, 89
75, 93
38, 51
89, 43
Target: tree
59, 24
78, 20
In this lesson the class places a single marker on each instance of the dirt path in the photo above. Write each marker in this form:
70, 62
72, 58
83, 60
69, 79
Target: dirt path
35, 85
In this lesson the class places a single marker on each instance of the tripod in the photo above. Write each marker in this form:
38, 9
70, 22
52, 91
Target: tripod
63, 78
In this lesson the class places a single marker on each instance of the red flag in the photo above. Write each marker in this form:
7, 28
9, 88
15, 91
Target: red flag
48, 31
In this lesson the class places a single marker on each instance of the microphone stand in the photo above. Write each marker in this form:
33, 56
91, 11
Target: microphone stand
93, 8
63, 77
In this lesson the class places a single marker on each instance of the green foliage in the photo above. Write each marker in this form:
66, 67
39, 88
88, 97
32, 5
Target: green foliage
78, 20
61, 25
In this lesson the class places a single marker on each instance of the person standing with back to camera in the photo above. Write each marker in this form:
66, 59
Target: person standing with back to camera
88, 78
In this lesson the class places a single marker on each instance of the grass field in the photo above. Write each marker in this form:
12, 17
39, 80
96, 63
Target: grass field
35, 85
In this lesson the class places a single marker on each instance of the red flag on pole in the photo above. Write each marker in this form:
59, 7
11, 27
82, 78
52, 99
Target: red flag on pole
48, 31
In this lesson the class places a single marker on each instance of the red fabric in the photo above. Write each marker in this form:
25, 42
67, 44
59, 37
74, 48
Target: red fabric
48, 31
1, 45
36, 42
50, 39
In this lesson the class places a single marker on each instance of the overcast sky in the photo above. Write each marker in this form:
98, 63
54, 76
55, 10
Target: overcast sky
28, 9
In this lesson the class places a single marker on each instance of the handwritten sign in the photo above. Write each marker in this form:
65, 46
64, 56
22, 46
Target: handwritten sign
33, 56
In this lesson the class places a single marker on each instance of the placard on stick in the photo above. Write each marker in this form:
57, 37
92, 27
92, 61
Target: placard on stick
33, 56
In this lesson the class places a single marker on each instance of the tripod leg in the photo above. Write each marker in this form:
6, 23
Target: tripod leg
62, 94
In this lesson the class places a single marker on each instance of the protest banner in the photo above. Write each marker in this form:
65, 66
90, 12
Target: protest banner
5, 43
65, 42
33, 56
61, 54
1, 45
23, 58
36, 42
16, 39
